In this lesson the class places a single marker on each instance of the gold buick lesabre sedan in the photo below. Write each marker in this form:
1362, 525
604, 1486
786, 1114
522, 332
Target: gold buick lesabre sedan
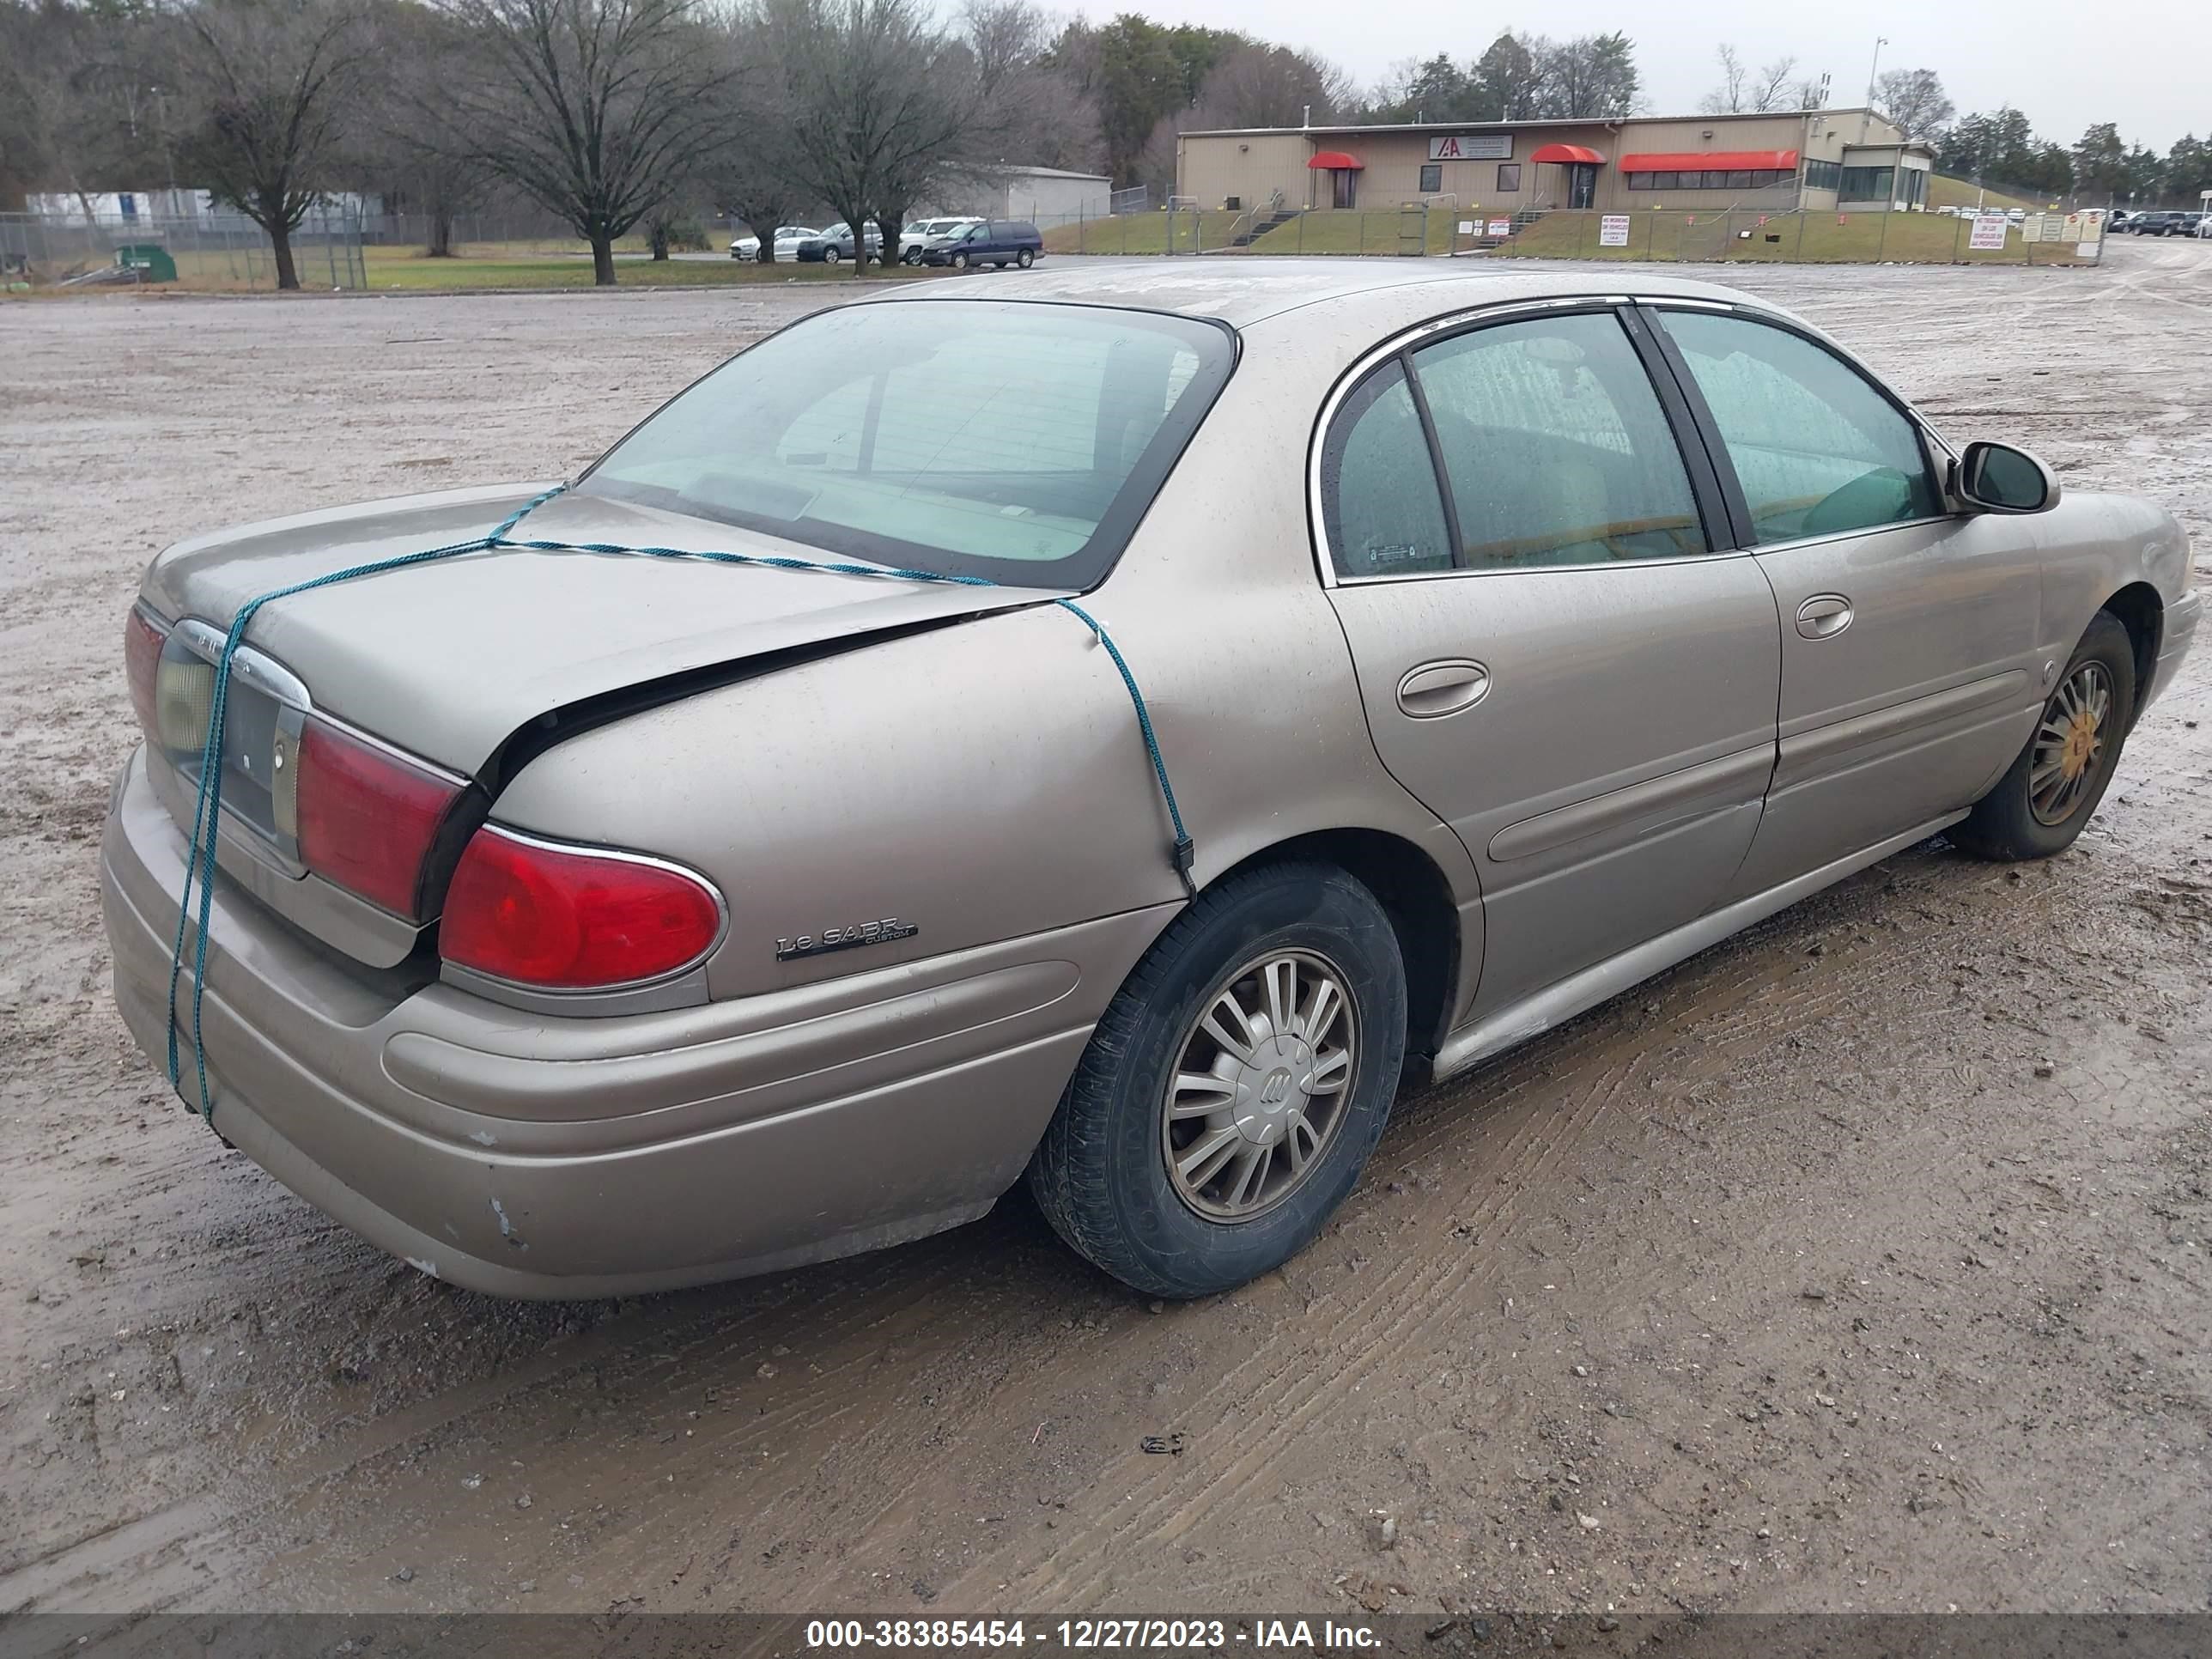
1111, 731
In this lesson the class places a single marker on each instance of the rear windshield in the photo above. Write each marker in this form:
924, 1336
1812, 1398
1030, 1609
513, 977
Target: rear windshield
1017, 441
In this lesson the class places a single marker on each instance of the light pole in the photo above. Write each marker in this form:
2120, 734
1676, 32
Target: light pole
1873, 70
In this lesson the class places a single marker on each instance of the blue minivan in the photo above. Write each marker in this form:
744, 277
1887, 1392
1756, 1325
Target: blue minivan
997, 242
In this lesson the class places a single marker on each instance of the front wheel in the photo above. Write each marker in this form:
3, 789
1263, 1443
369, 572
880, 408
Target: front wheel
912, 257
1233, 1089
2048, 793
960, 262
831, 256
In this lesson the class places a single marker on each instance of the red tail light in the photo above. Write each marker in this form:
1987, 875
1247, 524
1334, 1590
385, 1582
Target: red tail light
365, 816
142, 659
565, 918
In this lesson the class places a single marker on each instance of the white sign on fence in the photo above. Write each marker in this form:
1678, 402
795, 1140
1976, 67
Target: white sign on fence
1472, 147
1501, 228
1988, 232
1467, 227
1613, 230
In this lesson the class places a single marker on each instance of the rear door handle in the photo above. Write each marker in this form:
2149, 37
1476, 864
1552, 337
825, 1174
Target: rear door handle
1824, 616
1437, 689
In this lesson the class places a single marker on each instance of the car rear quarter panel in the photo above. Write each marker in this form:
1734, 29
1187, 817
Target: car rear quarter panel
987, 781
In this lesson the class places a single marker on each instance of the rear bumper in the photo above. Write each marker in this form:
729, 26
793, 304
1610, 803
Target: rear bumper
535, 1156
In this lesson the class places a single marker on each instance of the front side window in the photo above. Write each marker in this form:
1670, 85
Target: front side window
1556, 447
1816, 448
1017, 442
1383, 513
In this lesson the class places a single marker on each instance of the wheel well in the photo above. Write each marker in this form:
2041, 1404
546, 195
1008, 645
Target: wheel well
1418, 899
2142, 613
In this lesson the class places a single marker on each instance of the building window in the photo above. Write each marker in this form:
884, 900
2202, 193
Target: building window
1865, 185
1509, 178
1433, 178
1823, 175
1661, 180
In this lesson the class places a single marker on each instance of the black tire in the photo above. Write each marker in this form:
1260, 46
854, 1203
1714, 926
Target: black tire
1026, 259
1100, 1175
960, 262
831, 256
2005, 824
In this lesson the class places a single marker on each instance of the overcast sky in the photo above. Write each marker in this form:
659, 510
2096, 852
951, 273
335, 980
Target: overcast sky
2145, 64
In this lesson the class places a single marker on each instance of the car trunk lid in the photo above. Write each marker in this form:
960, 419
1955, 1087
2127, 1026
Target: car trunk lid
445, 659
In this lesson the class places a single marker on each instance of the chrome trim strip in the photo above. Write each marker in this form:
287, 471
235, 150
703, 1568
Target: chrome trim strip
265, 670
477, 979
1583, 818
1538, 1013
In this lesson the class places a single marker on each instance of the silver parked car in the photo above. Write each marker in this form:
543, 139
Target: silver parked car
586, 923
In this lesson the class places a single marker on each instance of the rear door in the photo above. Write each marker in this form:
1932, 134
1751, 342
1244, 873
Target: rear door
1911, 673
1556, 653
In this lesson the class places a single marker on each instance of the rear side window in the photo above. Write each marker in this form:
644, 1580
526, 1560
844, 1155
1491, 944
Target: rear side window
1556, 449
1817, 449
1384, 516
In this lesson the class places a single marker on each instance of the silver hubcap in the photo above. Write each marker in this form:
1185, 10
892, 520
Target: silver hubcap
1260, 1086
2069, 744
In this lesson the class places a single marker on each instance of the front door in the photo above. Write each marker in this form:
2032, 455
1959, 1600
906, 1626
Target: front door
1553, 657
1911, 673
1582, 184
1345, 182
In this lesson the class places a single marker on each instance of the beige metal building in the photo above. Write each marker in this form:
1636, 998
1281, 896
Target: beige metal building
1833, 160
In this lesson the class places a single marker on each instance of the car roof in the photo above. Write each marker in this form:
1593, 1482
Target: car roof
1242, 291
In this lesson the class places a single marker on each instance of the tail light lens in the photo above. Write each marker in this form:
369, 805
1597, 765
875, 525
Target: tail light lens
567, 919
364, 816
142, 659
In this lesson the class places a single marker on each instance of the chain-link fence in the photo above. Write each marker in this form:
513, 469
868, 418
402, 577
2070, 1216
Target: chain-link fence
1704, 235
214, 252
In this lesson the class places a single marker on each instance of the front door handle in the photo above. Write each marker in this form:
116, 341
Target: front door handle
1824, 616
1435, 689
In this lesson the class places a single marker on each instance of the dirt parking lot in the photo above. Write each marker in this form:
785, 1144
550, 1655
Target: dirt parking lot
1786, 1282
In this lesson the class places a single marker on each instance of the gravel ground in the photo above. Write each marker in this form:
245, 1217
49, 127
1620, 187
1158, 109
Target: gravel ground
1785, 1282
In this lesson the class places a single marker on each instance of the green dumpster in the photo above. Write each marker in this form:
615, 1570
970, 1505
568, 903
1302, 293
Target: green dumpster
150, 259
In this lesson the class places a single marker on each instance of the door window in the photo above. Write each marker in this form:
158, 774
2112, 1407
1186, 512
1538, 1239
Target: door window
1384, 514
1556, 447
1816, 448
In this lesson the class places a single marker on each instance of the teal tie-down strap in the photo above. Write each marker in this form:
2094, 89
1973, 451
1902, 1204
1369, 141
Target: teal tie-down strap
200, 862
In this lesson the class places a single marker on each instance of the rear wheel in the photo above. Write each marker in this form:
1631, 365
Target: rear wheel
2049, 792
1026, 259
1234, 1087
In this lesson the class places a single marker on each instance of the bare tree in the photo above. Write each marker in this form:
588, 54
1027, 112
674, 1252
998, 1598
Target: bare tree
596, 109
878, 104
1743, 91
1915, 101
265, 85
1725, 98
407, 157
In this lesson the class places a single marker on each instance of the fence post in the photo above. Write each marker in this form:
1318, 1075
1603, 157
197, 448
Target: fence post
1959, 230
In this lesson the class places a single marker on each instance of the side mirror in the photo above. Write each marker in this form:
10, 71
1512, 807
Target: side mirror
1998, 478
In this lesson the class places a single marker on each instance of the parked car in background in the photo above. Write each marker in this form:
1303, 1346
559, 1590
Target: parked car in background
835, 243
2156, 222
586, 924
995, 242
922, 233
787, 238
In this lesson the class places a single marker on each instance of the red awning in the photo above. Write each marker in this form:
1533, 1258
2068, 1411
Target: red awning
1721, 160
1335, 159
1566, 153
